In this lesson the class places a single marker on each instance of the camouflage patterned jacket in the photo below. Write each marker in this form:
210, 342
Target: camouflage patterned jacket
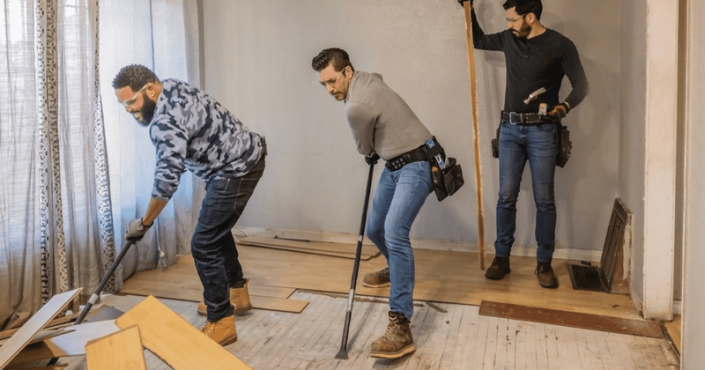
191, 131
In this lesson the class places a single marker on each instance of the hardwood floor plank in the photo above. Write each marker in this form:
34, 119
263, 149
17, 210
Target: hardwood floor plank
449, 346
118, 351
175, 340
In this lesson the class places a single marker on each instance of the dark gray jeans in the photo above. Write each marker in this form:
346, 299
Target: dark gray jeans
213, 246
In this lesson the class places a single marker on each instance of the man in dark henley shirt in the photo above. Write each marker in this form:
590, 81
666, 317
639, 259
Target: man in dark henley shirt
536, 58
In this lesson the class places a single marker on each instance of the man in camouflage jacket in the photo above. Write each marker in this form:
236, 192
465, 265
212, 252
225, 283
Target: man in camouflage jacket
192, 131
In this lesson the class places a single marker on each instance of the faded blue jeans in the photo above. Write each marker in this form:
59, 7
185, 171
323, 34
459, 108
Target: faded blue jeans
213, 246
397, 201
517, 144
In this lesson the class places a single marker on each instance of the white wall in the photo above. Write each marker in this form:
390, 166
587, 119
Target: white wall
693, 334
257, 63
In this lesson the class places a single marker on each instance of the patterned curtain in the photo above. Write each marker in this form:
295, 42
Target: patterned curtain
55, 205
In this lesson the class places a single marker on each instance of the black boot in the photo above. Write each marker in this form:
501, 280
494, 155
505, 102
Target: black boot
544, 272
499, 268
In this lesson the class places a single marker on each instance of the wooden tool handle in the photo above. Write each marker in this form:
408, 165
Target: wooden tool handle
476, 137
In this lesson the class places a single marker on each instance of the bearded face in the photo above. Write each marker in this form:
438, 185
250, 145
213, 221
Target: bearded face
146, 112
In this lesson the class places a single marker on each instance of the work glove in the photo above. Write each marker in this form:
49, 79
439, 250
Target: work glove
372, 159
559, 111
136, 230
462, 1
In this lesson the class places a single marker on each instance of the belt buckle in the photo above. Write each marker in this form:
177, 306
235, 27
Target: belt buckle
511, 118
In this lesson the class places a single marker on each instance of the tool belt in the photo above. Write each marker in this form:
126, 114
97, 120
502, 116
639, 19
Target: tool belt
416, 155
524, 119
446, 173
563, 143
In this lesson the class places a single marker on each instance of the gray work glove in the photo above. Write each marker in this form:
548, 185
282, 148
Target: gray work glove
136, 230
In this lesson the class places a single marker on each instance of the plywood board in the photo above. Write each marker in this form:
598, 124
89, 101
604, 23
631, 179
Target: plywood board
118, 351
642, 328
40, 319
175, 341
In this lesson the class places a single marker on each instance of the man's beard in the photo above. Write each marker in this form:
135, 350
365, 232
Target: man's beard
147, 111
523, 32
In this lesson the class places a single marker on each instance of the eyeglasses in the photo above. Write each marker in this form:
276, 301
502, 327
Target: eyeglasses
131, 101
333, 82
515, 19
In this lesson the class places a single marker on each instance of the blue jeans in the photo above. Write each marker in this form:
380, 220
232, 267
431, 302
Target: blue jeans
398, 200
213, 246
516, 145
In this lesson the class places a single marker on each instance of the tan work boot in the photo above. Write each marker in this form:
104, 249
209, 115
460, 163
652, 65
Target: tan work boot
379, 279
223, 331
396, 341
239, 297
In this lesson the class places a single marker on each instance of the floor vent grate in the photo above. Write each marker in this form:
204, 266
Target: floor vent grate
586, 278
599, 279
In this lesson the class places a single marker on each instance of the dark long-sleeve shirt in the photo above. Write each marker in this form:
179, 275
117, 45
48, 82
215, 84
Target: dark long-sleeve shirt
540, 61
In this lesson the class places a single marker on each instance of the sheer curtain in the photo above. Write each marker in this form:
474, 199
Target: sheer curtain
62, 208
57, 231
162, 35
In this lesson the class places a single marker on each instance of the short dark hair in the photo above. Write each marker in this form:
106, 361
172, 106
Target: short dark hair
135, 76
339, 58
524, 7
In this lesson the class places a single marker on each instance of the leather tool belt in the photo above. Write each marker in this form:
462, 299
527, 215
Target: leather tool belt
416, 155
524, 119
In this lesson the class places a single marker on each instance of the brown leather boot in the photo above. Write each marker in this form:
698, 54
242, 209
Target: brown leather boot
239, 297
223, 331
544, 272
378, 279
396, 341
498, 269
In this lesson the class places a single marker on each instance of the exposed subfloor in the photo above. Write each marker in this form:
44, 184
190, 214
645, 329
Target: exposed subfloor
458, 338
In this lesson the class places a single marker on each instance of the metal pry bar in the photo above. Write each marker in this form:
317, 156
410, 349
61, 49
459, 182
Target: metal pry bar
534, 95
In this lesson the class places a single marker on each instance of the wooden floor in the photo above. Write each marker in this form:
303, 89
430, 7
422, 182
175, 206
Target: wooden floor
441, 276
448, 331
447, 336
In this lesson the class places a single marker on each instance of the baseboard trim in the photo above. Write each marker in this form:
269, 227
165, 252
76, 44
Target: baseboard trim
432, 244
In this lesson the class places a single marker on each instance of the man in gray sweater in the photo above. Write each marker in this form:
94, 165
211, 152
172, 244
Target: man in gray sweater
384, 126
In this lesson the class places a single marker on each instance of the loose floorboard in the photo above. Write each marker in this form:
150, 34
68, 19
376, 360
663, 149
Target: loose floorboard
674, 331
457, 339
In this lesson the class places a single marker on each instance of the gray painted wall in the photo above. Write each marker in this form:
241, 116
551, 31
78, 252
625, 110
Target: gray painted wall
257, 63
632, 81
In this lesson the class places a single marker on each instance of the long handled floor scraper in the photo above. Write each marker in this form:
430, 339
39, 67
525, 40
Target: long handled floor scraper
343, 354
96, 294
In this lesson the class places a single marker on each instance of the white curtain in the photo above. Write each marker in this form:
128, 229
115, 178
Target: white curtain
57, 231
163, 36
62, 207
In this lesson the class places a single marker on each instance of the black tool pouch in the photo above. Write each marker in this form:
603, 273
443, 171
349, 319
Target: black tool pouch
564, 145
446, 173
495, 144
